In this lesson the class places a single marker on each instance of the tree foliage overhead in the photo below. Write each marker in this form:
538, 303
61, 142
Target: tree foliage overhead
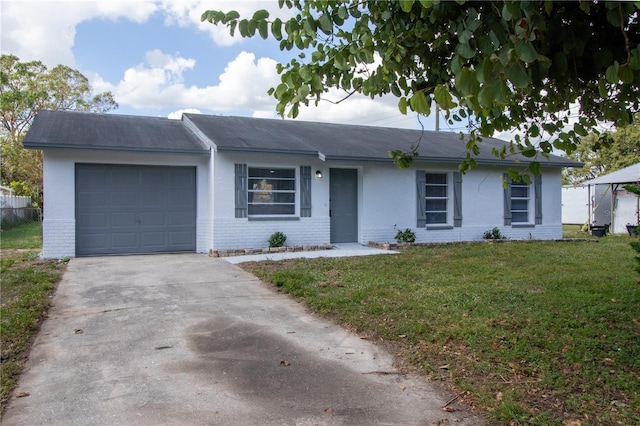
25, 89
606, 153
530, 65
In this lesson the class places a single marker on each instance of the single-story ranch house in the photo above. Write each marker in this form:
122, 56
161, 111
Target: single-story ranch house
116, 184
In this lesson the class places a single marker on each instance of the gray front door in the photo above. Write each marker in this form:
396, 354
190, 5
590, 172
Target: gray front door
343, 205
124, 209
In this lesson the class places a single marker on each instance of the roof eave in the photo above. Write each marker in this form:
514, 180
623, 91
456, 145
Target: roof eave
45, 146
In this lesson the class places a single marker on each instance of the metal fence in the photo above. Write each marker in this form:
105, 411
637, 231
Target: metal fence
13, 217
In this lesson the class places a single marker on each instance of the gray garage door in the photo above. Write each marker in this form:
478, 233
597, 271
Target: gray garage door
122, 209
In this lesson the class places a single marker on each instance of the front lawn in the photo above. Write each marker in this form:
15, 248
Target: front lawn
526, 332
27, 285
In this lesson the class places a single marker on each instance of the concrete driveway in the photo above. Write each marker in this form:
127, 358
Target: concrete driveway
191, 340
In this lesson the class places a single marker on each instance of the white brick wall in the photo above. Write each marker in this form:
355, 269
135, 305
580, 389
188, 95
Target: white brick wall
59, 238
231, 233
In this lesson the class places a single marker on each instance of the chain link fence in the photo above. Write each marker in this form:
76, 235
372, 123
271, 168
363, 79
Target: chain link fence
13, 217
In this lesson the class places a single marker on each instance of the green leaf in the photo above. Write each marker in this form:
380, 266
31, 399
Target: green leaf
467, 82
465, 50
276, 29
525, 51
517, 75
406, 5
625, 74
263, 29
443, 97
260, 15
243, 26
402, 105
420, 104
231, 15
326, 25
529, 151
612, 73
534, 166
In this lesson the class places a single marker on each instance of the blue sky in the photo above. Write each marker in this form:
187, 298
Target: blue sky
158, 59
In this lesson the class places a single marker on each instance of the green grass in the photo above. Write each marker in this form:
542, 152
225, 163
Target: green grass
529, 332
28, 236
27, 284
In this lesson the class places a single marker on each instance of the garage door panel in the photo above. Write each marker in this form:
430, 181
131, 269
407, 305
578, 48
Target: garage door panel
123, 178
93, 220
154, 239
179, 179
179, 198
124, 209
152, 219
93, 199
123, 199
124, 240
181, 219
180, 238
123, 219
155, 198
95, 242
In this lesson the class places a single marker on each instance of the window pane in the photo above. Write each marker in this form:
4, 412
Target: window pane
437, 217
436, 191
271, 191
520, 191
272, 184
272, 173
437, 205
271, 209
519, 205
519, 217
440, 178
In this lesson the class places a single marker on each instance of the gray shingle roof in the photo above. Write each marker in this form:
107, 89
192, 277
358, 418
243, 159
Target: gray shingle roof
344, 142
77, 130
196, 133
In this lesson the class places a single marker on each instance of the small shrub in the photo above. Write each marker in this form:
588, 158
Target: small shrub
406, 236
494, 234
277, 239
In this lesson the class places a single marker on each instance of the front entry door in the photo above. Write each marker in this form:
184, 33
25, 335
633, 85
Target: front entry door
343, 205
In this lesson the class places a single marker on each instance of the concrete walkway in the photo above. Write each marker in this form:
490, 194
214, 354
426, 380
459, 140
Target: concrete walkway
192, 340
339, 250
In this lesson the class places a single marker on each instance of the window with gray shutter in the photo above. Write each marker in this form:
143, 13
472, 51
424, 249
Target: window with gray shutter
241, 190
538, 200
457, 199
305, 191
420, 189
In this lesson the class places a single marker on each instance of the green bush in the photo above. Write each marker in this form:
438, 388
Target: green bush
494, 234
406, 236
277, 239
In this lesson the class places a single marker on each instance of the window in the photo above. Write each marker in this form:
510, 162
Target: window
519, 202
437, 198
271, 191
523, 202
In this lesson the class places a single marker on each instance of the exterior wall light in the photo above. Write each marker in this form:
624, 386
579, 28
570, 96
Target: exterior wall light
318, 174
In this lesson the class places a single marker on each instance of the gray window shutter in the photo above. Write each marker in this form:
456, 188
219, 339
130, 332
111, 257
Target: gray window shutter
421, 183
241, 190
538, 203
305, 191
507, 201
457, 199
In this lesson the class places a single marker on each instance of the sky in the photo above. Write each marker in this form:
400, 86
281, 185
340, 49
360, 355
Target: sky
158, 59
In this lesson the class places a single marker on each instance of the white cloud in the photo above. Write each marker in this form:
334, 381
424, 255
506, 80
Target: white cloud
45, 30
177, 115
159, 83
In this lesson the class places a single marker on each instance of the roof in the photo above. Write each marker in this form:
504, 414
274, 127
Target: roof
196, 134
346, 142
80, 130
630, 174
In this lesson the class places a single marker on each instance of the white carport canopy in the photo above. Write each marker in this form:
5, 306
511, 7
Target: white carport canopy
630, 174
